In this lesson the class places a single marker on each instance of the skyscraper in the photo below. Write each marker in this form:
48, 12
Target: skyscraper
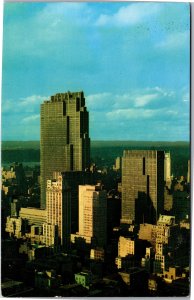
64, 143
58, 207
167, 169
142, 186
93, 213
62, 206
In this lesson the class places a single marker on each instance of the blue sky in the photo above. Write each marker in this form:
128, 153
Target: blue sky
130, 59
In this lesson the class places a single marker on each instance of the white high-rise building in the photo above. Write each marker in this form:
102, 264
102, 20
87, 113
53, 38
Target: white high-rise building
93, 213
58, 201
167, 168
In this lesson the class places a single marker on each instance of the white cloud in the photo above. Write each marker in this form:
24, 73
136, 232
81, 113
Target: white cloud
30, 119
129, 15
186, 97
141, 98
32, 100
132, 113
175, 40
98, 102
145, 99
30, 104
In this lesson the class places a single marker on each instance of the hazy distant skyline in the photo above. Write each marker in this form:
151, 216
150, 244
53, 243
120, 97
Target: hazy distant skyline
130, 59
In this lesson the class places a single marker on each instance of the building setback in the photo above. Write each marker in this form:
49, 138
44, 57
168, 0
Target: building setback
64, 143
142, 186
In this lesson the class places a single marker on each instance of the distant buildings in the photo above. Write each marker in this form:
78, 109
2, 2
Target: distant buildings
118, 164
13, 180
65, 143
142, 186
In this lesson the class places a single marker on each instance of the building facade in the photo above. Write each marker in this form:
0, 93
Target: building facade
142, 186
62, 205
167, 169
93, 213
64, 143
34, 216
58, 207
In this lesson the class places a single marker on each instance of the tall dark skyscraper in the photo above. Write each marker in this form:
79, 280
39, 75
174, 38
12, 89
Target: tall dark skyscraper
65, 142
142, 186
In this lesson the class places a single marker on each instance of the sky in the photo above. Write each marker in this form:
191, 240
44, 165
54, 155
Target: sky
132, 60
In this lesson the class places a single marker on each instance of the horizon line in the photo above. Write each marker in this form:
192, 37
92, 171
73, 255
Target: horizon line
103, 140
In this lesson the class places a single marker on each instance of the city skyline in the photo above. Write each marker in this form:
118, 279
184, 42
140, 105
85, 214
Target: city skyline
130, 59
107, 218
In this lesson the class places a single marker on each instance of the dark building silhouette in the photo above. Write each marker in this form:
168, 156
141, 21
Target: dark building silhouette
142, 186
65, 143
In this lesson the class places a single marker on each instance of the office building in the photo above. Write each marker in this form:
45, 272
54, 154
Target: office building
92, 214
62, 205
58, 207
126, 246
64, 143
167, 169
142, 186
72, 180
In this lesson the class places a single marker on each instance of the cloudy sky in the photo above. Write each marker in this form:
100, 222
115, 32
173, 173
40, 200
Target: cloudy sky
130, 59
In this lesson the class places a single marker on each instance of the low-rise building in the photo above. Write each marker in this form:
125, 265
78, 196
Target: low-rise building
97, 254
126, 246
14, 226
135, 277
84, 278
47, 280
147, 261
35, 216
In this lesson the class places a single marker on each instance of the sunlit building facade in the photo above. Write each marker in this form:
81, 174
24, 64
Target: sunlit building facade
167, 169
93, 213
58, 207
64, 143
